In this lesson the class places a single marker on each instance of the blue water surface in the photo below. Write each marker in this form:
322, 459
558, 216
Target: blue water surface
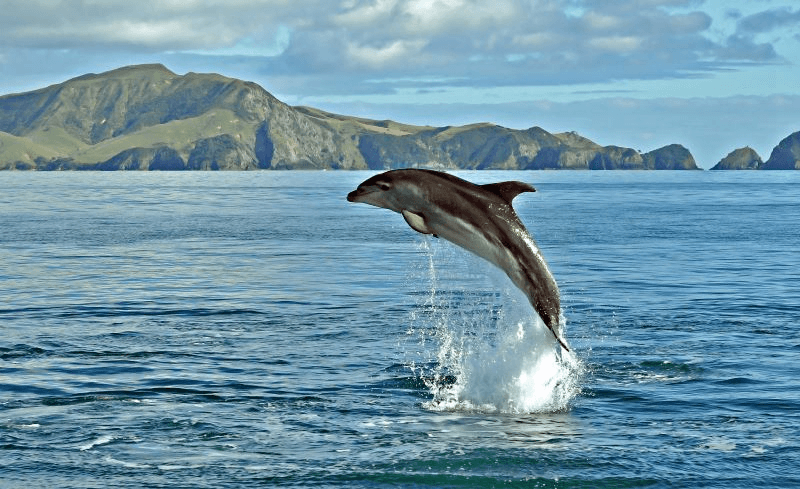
255, 329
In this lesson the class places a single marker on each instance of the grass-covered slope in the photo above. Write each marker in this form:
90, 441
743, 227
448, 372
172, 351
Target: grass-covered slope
147, 118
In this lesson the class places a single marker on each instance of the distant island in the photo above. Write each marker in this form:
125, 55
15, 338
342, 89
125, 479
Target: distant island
148, 118
785, 156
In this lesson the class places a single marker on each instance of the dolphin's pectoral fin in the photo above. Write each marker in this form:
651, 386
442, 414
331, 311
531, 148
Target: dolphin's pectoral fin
417, 222
508, 190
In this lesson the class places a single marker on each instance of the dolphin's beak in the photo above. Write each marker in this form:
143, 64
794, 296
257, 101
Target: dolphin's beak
357, 194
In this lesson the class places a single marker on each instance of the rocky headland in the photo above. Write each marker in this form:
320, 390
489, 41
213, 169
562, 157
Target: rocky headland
149, 118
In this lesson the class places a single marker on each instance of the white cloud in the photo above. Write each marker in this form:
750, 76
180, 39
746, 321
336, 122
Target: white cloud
153, 34
316, 46
145, 25
617, 44
598, 21
437, 16
394, 52
360, 16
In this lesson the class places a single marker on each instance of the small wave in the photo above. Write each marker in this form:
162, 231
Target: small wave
738, 381
665, 371
21, 351
170, 467
124, 309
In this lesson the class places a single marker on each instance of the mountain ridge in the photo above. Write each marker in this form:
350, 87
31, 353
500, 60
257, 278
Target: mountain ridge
146, 117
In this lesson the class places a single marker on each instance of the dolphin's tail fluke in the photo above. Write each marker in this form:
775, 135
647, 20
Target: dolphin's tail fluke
560, 342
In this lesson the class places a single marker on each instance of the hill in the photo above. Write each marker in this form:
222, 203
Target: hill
785, 156
740, 159
148, 118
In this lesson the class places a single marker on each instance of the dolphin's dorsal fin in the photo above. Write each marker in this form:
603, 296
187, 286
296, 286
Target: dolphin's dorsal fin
508, 190
416, 221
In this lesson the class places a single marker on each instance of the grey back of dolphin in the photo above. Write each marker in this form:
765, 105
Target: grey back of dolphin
478, 218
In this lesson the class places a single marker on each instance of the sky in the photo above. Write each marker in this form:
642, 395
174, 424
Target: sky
713, 75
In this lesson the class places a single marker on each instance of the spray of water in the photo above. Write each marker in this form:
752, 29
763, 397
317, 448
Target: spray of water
479, 344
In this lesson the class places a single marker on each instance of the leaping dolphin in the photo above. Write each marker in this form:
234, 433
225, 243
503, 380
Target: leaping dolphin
478, 218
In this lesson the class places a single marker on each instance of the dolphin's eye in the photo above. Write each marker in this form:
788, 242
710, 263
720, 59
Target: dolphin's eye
383, 185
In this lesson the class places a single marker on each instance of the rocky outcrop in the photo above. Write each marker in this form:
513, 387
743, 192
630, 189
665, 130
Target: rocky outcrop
670, 157
224, 152
148, 118
741, 159
786, 155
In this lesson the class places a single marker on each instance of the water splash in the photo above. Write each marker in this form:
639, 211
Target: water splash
479, 344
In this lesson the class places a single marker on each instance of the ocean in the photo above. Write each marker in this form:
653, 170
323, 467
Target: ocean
254, 329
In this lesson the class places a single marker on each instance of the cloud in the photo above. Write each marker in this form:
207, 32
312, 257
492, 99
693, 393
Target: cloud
750, 43
316, 46
363, 15
619, 44
146, 25
517, 43
395, 52
746, 48
769, 20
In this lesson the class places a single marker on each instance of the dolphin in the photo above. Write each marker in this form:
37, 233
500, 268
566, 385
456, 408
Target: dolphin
478, 218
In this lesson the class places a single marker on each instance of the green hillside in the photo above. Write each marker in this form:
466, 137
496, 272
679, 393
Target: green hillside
17, 153
147, 117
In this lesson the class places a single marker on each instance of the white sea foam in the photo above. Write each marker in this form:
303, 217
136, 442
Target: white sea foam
486, 352
102, 440
130, 465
